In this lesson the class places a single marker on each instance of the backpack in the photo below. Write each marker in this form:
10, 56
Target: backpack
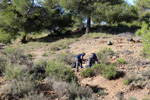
73, 65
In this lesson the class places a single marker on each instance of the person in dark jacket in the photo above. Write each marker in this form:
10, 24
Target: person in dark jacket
79, 59
92, 59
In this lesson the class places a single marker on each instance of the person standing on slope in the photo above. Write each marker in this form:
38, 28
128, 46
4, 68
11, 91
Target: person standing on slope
79, 59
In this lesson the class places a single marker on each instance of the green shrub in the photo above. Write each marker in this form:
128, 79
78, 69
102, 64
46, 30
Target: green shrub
16, 56
103, 54
101, 93
30, 56
66, 58
77, 91
69, 91
5, 37
38, 70
121, 61
60, 71
54, 48
126, 82
16, 89
3, 63
44, 54
98, 68
61, 88
35, 96
109, 71
88, 72
130, 78
18, 72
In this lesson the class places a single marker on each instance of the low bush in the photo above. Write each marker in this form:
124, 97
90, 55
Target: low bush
60, 71
38, 70
146, 73
44, 54
30, 56
77, 91
16, 56
16, 89
62, 44
69, 91
103, 54
132, 77
107, 71
61, 88
97, 68
88, 72
66, 58
126, 82
35, 96
121, 61
101, 93
3, 63
14, 71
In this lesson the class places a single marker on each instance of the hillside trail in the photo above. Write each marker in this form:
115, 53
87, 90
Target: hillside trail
120, 44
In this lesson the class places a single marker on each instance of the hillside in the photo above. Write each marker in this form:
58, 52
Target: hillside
124, 48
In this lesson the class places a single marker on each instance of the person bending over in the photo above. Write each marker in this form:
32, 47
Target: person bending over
92, 59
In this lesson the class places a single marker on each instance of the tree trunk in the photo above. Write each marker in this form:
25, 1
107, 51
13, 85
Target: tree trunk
88, 26
24, 39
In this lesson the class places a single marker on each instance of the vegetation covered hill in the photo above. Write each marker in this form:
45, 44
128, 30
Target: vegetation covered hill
39, 40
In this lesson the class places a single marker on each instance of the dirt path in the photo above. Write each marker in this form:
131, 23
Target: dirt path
111, 87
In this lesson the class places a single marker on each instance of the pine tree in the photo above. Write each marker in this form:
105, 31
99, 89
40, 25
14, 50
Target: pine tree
115, 13
26, 16
85, 8
143, 7
144, 32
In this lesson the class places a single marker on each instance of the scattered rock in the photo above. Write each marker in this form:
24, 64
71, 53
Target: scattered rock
131, 40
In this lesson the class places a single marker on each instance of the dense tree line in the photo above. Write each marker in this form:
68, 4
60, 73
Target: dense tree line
27, 16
